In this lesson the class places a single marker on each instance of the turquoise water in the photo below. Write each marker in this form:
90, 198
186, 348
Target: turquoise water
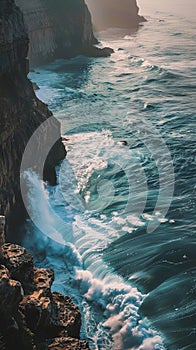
126, 251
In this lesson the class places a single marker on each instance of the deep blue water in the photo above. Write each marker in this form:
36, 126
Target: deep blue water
126, 212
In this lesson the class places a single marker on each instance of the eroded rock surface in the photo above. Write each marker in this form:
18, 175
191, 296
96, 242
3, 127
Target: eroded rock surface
37, 317
18, 262
68, 344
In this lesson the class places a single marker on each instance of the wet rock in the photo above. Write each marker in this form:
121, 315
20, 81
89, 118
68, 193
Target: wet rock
93, 51
68, 344
122, 143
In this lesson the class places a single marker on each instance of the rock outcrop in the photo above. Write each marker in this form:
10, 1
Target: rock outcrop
31, 315
21, 113
115, 13
57, 29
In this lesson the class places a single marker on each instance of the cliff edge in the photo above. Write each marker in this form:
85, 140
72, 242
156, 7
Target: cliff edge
57, 29
21, 113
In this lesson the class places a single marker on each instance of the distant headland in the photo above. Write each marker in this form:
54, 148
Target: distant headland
115, 13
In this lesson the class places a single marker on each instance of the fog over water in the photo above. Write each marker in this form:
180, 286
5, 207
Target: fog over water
178, 7
114, 13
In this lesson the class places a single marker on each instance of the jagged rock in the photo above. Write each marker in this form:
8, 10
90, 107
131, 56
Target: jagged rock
94, 51
51, 315
11, 292
43, 279
66, 315
37, 309
18, 262
68, 344
13, 331
35, 315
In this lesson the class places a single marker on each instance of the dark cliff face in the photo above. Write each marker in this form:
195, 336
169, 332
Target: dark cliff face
57, 29
115, 13
21, 112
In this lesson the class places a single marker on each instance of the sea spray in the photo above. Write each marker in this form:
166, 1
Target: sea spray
110, 306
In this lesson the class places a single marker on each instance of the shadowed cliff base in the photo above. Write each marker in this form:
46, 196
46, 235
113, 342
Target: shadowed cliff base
60, 29
114, 13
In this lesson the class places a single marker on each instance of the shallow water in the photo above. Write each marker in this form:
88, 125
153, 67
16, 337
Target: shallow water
122, 215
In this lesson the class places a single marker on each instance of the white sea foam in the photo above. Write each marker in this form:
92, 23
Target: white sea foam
128, 37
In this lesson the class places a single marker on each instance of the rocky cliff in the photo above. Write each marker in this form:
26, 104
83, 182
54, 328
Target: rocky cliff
32, 317
57, 29
20, 112
115, 13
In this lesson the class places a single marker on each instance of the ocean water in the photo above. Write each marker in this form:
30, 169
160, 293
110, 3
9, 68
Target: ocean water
119, 228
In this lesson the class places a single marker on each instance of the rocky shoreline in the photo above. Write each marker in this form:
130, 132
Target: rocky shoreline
31, 315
